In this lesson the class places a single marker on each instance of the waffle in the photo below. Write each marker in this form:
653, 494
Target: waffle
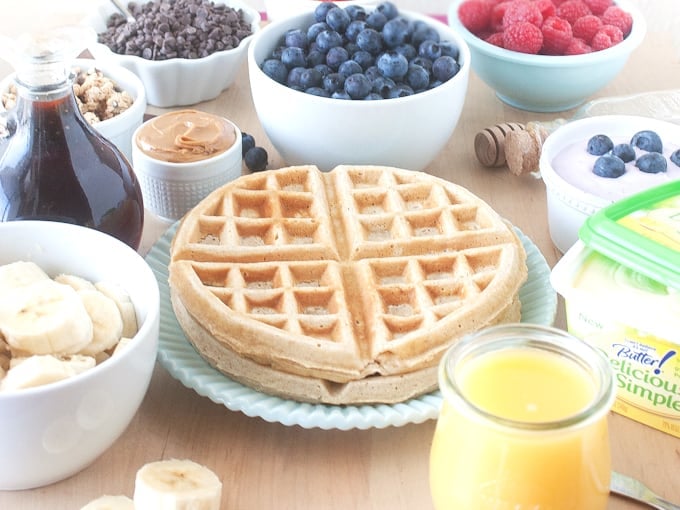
344, 286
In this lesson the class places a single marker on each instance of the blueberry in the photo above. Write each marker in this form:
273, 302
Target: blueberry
247, 143
609, 166
675, 157
445, 68
357, 86
354, 28
356, 12
423, 62
336, 56
407, 50
376, 20
400, 90
370, 40
388, 9
276, 70
417, 77
338, 19
328, 39
651, 163
317, 91
383, 86
316, 58
323, 69
647, 141
333, 82
321, 10
349, 67
395, 32
599, 145
625, 151
423, 32
293, 57
364, 59
372, 73
315, 29
256, 159
392, 65
310, 78
294, 74
429, 49
449, 49
297, 38
341, 94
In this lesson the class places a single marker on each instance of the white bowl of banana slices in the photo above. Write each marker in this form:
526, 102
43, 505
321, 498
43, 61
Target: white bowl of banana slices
79, 318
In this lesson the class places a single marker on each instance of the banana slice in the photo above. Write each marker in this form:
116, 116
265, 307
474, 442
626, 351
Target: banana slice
20, 273
124, 304
43, 369
177, 485
106, 320
44, 317
77, 282
108, 502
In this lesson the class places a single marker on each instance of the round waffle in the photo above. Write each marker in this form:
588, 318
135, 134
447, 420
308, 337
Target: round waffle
344, 286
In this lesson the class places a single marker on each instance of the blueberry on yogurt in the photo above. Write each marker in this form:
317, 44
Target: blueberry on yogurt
609, 166
651, 163
648, 141
599, 145
625, 151
675, 157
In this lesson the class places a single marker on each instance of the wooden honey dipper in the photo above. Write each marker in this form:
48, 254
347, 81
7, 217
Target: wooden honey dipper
517, 146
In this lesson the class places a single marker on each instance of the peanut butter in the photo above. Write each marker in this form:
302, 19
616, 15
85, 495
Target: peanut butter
185, 136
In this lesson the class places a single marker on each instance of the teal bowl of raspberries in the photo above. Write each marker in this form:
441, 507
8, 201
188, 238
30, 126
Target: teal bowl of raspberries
547, 55
358, 85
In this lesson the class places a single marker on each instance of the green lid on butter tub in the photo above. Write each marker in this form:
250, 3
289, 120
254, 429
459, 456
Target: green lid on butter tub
641, 232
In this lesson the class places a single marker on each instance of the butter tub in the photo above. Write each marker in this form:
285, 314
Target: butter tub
621, 286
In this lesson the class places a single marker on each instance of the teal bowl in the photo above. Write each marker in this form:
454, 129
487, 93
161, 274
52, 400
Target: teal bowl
547, 83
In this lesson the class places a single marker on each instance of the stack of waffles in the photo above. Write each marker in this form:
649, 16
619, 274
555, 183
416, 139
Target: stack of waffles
341, 287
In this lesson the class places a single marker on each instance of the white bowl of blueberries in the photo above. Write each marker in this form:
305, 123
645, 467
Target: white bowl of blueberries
590, 163
358, 85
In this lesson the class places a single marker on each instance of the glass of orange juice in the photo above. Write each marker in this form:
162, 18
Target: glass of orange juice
523, 424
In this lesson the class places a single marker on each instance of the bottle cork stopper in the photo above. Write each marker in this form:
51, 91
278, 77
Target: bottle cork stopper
523, 149
490, 143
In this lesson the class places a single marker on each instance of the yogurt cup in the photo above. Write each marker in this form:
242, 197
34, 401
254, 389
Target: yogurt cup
622, 294
172, 185
570, 201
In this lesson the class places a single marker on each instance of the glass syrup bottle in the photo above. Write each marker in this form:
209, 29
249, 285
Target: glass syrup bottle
53, 164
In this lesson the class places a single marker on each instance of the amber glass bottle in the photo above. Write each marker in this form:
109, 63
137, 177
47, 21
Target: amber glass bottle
55, 166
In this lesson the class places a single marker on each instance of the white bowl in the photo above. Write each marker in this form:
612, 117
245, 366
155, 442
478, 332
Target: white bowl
570, 204
406, 132
171, 189
178, 81
278, 9
51, 432
117, 129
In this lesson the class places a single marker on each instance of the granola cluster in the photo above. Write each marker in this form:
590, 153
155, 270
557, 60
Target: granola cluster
98, 97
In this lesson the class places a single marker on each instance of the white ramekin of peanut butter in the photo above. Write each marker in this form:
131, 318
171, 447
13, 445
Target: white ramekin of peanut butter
181, 156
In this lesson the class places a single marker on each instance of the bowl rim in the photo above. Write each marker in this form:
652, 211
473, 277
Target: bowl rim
625, 47
584, 126
278, 26
101, 50
147, 328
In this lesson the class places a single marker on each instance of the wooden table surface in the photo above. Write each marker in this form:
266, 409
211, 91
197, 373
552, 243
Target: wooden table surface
271, 466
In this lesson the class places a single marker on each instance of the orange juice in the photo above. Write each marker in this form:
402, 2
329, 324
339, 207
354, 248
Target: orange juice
523, 425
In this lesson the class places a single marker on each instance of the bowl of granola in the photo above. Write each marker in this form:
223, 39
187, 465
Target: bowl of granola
111, 98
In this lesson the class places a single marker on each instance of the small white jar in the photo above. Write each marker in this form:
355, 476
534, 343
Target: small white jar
170, 189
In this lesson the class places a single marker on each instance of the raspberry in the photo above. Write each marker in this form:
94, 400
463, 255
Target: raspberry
547, 8
497, 14
496, 39
586, 27
524, 37
619, 18
577, 47
522, 11
556, 35
571, 10
598, 7
606, 37
475, 15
